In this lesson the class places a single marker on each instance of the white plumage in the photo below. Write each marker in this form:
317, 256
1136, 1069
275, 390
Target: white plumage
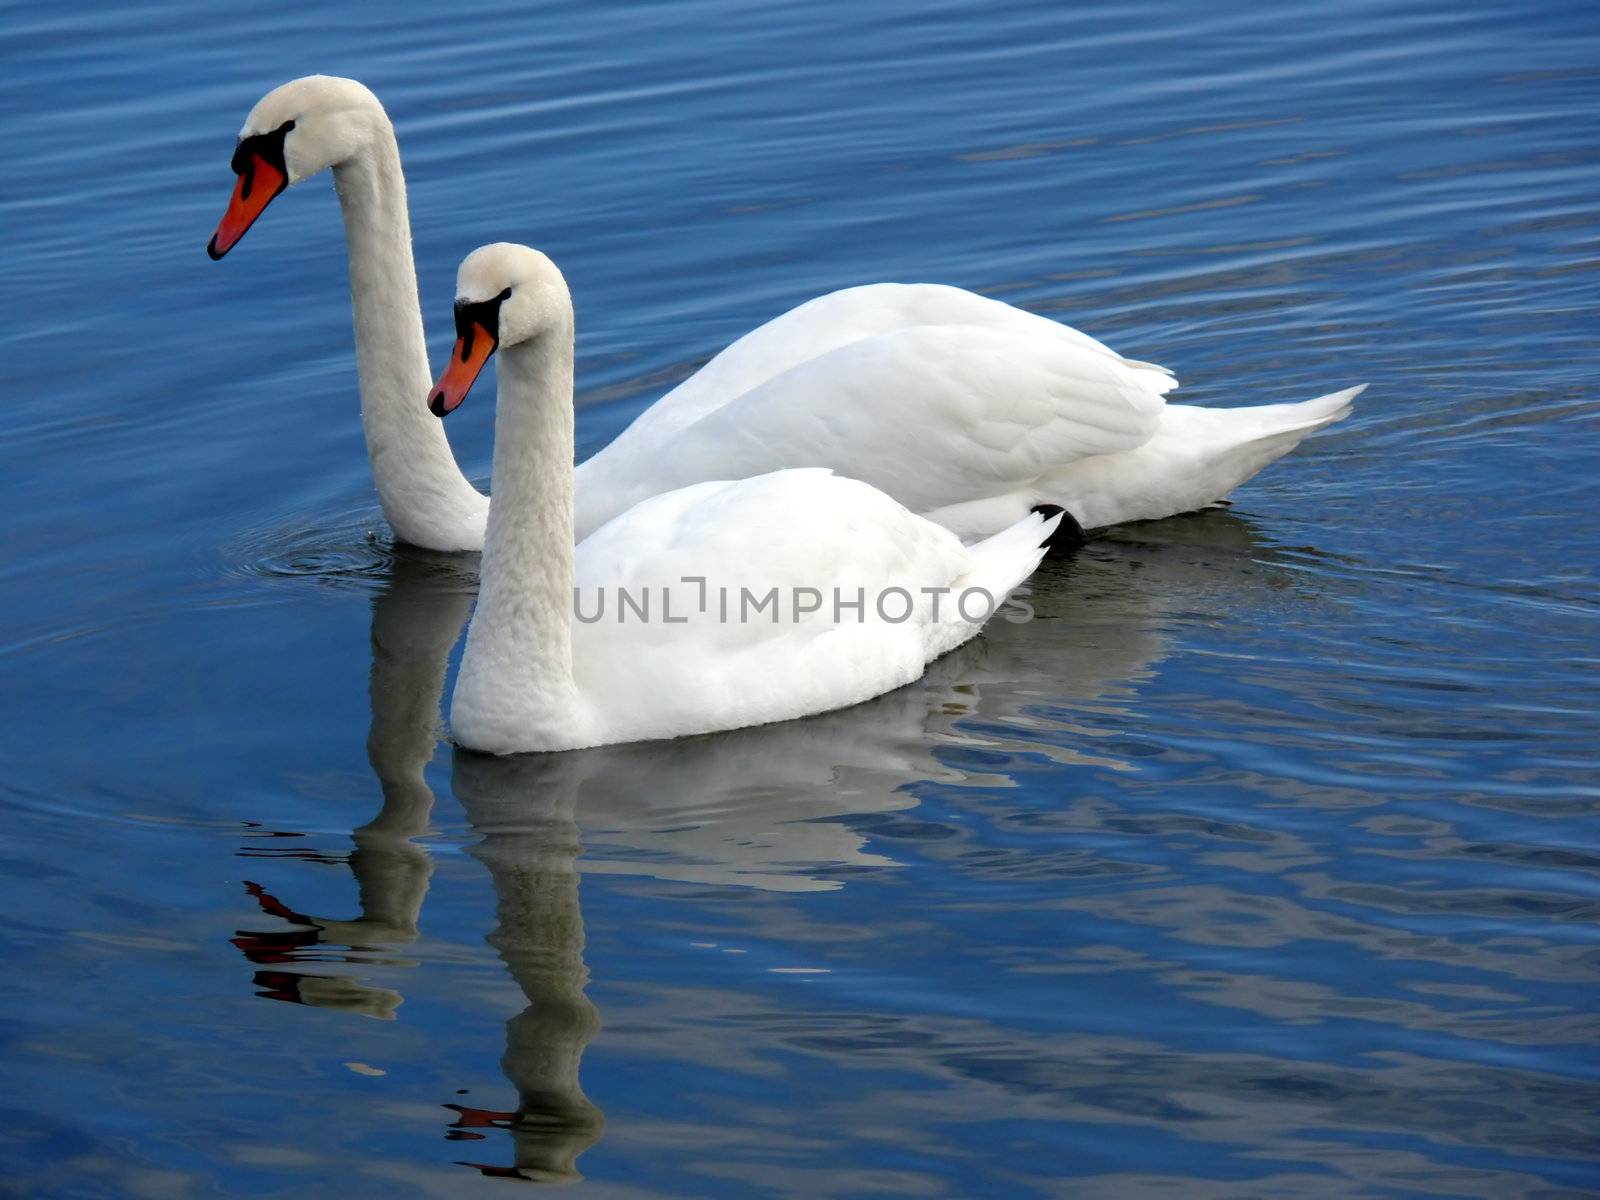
862, 593
964, 409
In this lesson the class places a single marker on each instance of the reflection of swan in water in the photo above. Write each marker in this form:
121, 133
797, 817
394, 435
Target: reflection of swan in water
759, 807
755, 808
415, 622
529, 842
752, 807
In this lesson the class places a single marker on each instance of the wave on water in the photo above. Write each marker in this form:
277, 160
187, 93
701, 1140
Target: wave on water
353, 549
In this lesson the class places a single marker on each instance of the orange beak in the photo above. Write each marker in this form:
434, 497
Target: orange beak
472, 350
258, 183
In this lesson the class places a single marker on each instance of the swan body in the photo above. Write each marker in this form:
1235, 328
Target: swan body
966, 410
542, 671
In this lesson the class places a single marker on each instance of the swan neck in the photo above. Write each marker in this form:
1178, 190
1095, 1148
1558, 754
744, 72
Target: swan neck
523, 624
416, 475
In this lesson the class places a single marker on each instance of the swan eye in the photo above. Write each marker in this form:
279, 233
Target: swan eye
504, 296
266, 146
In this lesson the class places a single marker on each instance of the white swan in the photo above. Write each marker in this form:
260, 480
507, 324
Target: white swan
966, 410
768, 598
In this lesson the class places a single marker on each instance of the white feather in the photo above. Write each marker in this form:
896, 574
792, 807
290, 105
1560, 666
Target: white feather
966, 410
757, 600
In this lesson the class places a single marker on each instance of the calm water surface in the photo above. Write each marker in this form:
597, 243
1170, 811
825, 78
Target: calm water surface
1265, 863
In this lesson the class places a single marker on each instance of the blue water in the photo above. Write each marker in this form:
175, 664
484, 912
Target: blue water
1265, 863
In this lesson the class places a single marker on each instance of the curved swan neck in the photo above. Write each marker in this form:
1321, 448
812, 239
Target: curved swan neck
419, 484
520, 643
530, 845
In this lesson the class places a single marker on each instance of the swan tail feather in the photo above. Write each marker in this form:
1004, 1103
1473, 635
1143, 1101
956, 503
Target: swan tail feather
1245, 440
1233, 444
1003, 561
1308, 415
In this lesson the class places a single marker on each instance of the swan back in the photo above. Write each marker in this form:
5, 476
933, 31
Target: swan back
770, 598
932, 412
828, 322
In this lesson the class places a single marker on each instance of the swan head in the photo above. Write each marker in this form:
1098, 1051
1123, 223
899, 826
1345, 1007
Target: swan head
506, 294
295, 131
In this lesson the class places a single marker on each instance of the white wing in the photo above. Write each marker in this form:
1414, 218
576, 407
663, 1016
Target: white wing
749, 587
935, 395
827, 322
